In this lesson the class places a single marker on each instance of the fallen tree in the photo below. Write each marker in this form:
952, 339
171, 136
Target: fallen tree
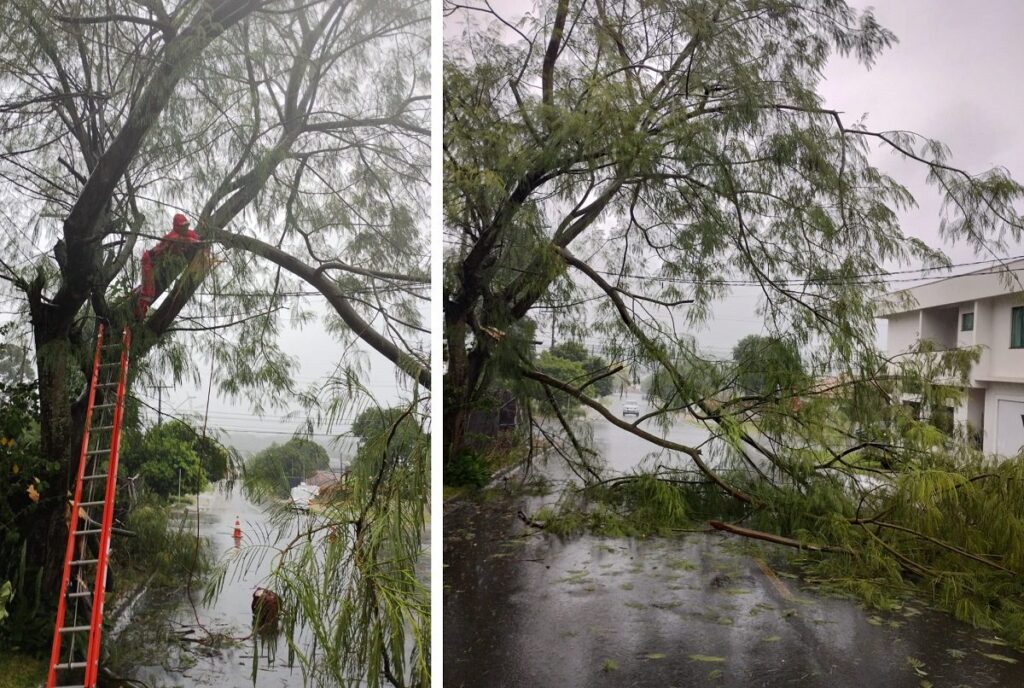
626, 165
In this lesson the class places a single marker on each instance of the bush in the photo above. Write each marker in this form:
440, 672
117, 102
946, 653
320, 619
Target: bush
163, 459
467, 469
161, 547
214, 458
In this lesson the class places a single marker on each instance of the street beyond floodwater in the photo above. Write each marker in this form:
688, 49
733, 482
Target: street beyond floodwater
525, 608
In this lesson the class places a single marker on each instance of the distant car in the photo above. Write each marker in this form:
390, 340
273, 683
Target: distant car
630, 408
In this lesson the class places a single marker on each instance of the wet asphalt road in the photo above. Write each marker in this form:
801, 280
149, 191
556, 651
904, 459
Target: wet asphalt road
523, 608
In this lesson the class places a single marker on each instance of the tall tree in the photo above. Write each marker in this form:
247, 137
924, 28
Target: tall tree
682, 148
293, 133
631, 161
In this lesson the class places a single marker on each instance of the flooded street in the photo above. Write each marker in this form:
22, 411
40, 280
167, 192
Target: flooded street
230, 664
624, 451
525, 608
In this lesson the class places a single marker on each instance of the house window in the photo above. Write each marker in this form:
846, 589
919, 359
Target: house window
1017, 327
967, 322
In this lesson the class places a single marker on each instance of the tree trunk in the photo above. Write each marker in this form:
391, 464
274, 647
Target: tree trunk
456, 390
59, 437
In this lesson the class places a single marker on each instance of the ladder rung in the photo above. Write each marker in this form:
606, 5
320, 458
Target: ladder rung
97, 451
87, 593
67, 666
77, 685
74, 629
103, 427
103, 406
92, 503
98, 476
89, 531
84, 562
107, 384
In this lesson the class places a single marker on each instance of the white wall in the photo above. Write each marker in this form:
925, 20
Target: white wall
996, 392
903, 332
940, 326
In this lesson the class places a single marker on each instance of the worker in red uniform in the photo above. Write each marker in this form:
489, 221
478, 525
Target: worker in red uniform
180, 241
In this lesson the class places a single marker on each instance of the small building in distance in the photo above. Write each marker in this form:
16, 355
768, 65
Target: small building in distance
974, 309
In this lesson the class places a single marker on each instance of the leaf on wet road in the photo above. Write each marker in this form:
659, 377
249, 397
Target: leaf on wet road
999, 658
655, 655
706, 658
917, 665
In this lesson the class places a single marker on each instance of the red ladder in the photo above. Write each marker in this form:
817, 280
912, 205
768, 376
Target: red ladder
74, 657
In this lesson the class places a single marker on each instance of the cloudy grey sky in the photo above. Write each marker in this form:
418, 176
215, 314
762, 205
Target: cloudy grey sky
955, 75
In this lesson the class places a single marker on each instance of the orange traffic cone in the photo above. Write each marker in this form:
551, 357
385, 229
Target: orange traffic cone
238, 530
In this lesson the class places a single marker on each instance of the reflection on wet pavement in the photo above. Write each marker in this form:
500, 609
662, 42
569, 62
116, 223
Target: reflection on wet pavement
523, 608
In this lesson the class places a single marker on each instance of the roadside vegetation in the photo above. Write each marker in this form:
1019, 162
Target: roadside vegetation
154, 548
273, 471
640, 166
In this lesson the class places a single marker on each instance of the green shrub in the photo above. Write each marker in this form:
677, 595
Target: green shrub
467, 469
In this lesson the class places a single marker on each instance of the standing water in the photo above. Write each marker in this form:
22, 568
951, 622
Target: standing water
229, 663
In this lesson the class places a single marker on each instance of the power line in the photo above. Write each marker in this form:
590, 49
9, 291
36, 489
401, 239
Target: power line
865, 278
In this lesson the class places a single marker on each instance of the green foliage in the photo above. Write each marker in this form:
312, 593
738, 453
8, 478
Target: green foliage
593, 365
355, 579
15, 361
469, 468
21, 670
768, 365
214, 458
166, 461
163, 552
570, 351
6, 591
26, 495
275, 469
388, 437
562, 369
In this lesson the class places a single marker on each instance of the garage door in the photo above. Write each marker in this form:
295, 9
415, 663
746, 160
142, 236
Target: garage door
1010, 427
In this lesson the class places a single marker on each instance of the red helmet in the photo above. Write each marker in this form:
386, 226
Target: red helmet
180, 220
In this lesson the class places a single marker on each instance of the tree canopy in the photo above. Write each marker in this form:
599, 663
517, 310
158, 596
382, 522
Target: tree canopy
767, 365
628, 164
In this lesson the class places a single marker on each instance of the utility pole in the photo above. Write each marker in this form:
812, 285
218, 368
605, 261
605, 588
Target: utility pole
160, 402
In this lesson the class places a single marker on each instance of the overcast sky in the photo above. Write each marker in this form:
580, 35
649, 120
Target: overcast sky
955, 75
317, 354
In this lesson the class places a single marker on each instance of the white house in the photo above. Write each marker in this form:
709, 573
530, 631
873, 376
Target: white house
975, 309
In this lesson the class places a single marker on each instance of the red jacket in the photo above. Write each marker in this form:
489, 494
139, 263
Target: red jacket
175, 243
